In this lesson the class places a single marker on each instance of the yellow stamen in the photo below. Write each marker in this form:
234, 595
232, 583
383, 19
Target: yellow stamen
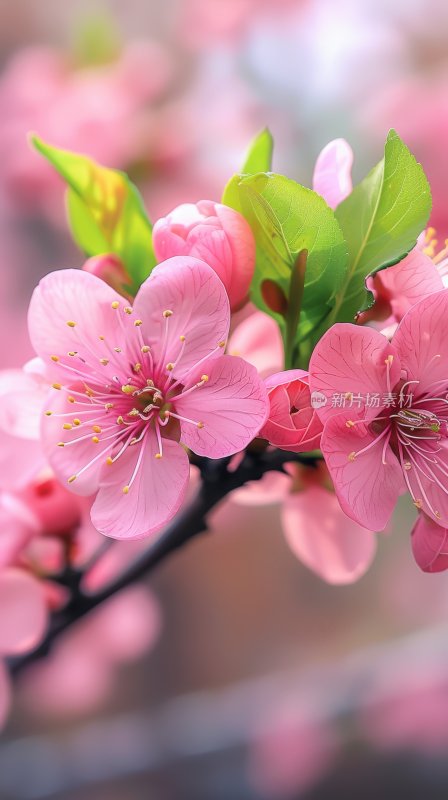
104, 361
182, 338
167, 313
158, 455
71, 399
170, 366
61, 444
137, 323
76, 422
108, 406
120, 420
71, 479
96, 429
56, 386
127, 310
95, 439
204, 378
67, 426
73, 353
200, 424
137, 367
352, 456
127, 389
145, 348
117, 349
48, 413
115, 304
55, 358
71, 324
125, 489
221, 344
418, 503
109, 461
350, 423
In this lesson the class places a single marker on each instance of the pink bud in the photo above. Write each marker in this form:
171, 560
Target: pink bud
57, 510
217, 235
292, 423
111, 270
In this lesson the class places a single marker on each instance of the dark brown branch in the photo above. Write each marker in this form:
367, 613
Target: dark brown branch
217, 481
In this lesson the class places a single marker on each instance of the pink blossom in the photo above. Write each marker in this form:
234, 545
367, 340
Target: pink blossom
215, 234
292, 423
397, 288
130, 383
376, 448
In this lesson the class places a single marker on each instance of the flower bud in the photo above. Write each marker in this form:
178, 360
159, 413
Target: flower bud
217, 235
293, 423
111, 270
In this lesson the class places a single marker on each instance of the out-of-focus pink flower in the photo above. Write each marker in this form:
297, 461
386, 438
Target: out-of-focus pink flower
397, 288
289, 754
374, 449
96, 110
80, 674
430, 545
23, 620
292, 423
215, 234
111, 270
118, 435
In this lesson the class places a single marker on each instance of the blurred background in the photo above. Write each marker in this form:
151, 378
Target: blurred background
241, 676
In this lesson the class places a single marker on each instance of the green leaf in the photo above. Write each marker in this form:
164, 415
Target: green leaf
258, 159
381, 220
259, 154
105, 210
286, 218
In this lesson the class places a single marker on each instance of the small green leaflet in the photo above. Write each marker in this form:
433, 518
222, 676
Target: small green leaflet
105, 211
258, 159
381, 220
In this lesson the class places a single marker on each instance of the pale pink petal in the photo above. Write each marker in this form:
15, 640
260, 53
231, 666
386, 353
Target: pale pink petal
21, 400
232, 405
366, 488
324, 538
351, 360
332, 174
258, 340
430, 545
23, 613
421, 341
77, 297
271, 488
193, 292
242, 244
414, 278
154, 497
69, 460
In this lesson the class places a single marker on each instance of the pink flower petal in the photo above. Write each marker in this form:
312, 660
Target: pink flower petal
351, 360
409, 281
332, 174
427, 478
193, 292
70, 459
421, 341
232, 405
23, 613
21, 400
72, 296
430, 545
154, 497
258, 340
324, 538
366, 488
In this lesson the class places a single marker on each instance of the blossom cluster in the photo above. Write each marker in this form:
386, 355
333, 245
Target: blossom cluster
153, 356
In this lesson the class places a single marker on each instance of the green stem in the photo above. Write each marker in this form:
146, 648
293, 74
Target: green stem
296, 288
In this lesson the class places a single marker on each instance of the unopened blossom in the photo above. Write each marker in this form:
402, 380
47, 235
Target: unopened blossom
215, 234
130, 383
385, 413
396, 288
293, 424
110, 269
